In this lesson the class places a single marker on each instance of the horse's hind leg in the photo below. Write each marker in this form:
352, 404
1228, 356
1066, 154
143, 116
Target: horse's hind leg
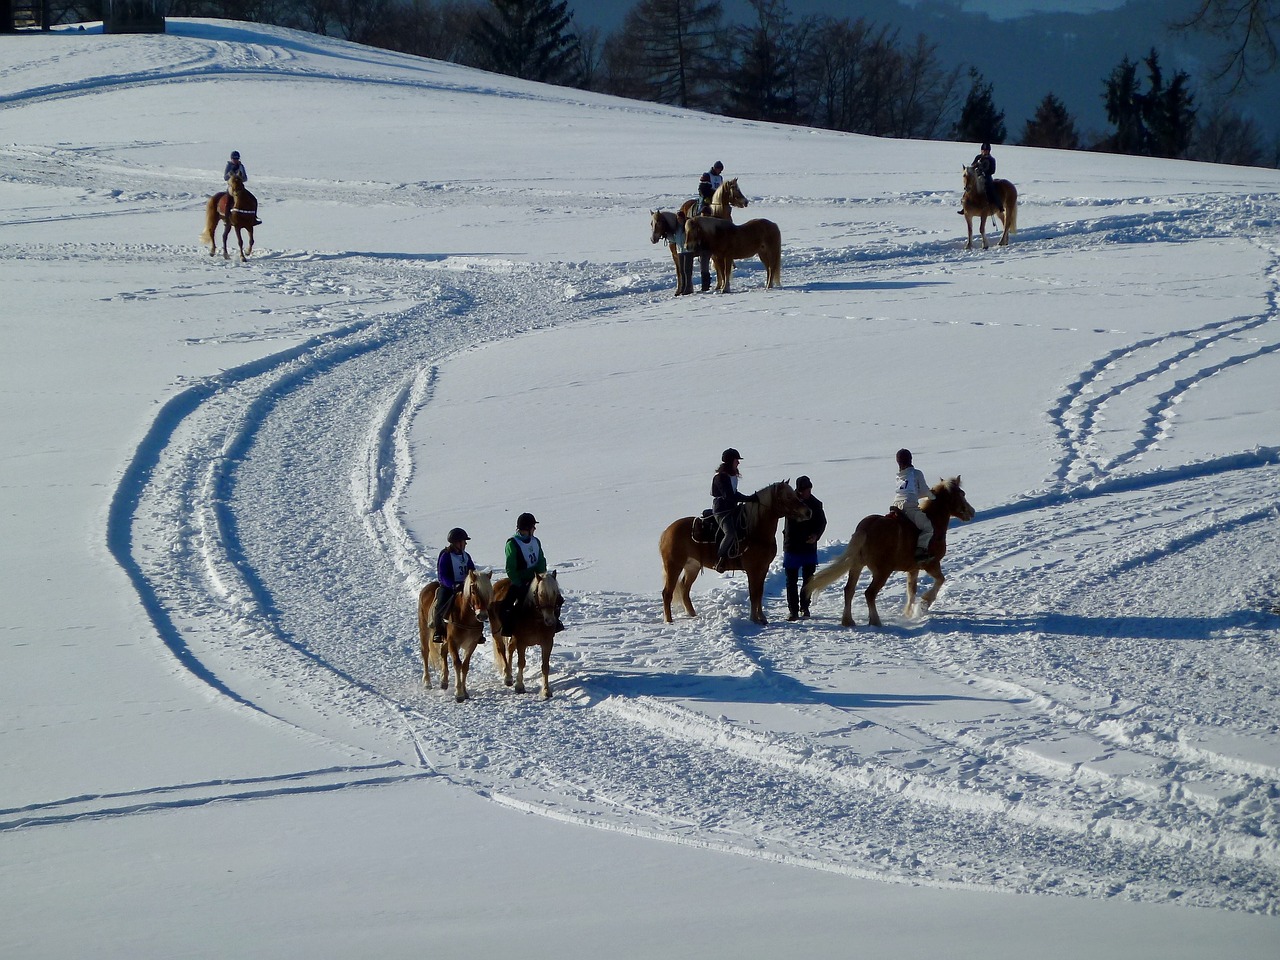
850, 588
873, 589
691, 570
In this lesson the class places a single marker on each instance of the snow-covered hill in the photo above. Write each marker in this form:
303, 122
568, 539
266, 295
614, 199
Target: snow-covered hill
224, 483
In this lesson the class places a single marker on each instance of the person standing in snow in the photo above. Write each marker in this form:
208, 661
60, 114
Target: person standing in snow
911, 487
800, 549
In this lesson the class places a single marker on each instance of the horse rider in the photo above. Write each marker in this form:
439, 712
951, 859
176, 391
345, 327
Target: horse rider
234, 166
800, 549
705, 192
984, 165
911, 488
684, 265
716, 175
524, 561
726, 504
452, 567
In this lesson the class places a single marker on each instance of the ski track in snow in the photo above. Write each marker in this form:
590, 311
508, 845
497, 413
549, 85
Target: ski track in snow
272, 559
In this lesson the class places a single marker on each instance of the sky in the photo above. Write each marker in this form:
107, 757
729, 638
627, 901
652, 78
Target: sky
226, 479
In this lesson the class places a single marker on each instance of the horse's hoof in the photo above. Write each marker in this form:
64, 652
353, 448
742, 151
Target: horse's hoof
519, 688
847, 622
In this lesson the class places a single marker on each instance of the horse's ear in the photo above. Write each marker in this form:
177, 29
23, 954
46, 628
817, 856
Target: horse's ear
552, 575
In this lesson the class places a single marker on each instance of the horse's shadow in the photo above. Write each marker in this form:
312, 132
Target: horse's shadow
823, 286
770, 688
1112, 627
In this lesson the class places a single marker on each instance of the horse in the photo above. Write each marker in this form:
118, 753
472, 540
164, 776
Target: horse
683, 557
975, 203
886, 543
464, 629
235, 207
535, 625
664, 223
727, 196
726, 242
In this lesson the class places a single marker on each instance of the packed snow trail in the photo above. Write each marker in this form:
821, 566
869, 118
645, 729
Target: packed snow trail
267, 530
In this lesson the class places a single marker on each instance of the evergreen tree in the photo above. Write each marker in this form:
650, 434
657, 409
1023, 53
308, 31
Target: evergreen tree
1051, 126
980, 121
762, 83
1125, 109
668, 51
530, 39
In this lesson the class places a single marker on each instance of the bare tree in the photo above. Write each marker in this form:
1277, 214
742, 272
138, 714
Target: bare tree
1249, 28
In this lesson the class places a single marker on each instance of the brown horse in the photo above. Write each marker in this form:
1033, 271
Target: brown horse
975, 203
535, 625
727, 242
886, 543
464, 629
236, 207
684, 557
664, 223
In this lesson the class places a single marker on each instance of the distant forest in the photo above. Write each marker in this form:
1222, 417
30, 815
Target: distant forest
843, 74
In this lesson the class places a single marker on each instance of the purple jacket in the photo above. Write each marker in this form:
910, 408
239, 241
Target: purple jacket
452, 568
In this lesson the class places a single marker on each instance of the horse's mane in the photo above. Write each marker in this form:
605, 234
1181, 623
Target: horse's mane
944, 492
549, 584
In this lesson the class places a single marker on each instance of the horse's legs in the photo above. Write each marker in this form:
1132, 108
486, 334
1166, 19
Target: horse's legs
247, 253
913, 577
461, 667
691, 570
850, 588
873, 589
519, 668
982, 228
226, 233
968, 222
546, 668
502, 656
935, 571
755, 590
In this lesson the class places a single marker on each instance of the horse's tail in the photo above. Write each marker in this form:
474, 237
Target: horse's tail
210, 219
837, 568
1011, 212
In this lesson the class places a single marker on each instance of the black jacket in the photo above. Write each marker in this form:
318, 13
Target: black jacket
723, 496
796, 533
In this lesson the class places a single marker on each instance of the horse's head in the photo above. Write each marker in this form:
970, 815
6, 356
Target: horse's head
477, 593
546, 597
728, 193
781, 500
950, 495
234, 184
661, 226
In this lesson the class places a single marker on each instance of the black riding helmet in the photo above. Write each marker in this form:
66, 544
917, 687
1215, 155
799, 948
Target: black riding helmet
458, 535
525, 521
730, 455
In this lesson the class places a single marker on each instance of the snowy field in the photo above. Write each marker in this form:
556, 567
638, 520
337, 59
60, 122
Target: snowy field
224, 483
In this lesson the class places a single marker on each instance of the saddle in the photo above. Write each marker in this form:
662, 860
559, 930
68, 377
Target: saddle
909, 529
706, 529
225, 209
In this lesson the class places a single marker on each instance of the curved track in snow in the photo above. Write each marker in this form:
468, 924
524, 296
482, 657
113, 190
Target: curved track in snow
260, 524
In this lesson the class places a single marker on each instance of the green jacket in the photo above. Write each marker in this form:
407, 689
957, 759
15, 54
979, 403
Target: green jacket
524, 559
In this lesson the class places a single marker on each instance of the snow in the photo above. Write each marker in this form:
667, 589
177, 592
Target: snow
224, 483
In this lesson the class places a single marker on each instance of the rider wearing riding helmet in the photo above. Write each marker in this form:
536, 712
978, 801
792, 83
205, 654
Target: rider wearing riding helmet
234, 166
716, 175
910, 488
524, 561
984, 165
452, 567
726, 503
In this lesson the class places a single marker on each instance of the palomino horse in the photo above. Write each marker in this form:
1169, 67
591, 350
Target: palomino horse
683, 557
464, 630
664, 223
975, 203
727, 242
535, 625
886, 543
236, 207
